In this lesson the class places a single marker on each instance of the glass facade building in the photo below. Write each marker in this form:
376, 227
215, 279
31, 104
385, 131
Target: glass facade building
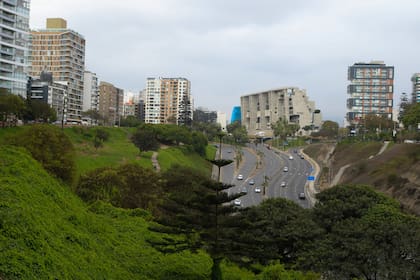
236, 114
14, 41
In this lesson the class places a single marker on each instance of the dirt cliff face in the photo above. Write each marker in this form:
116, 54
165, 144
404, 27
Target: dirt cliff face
395, 172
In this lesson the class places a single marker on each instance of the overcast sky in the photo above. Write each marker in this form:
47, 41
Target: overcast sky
229, 48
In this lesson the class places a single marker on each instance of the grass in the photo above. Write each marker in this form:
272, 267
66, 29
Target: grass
184, 157
116, 150
46, 232
119, 149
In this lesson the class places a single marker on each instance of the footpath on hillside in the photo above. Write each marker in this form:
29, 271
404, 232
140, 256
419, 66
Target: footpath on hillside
155, 162
340, 172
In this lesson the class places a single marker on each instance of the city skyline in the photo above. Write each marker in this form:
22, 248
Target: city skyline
232, 49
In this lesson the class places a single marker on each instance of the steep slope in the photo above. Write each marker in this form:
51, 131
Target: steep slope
396, 172
46, 232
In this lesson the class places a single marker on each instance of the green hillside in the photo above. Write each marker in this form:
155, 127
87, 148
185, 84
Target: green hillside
118, 149
46, 232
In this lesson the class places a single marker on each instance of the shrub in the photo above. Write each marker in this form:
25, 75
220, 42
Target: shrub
51, 147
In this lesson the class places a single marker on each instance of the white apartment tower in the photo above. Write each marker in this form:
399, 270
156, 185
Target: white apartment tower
60, 51
168, 100
14, 32
90, 92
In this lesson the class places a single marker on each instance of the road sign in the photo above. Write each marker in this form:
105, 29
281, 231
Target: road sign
311, 178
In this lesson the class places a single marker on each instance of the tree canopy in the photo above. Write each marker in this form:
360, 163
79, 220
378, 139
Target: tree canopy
329, 129
11, 108
282, 128
366, 236
411, 116
237, 133
145, 138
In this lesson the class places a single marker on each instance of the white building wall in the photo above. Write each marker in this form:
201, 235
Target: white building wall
90, 92
152, 104
222, 120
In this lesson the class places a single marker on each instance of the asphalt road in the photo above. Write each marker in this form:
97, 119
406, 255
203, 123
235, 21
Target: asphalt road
268, 169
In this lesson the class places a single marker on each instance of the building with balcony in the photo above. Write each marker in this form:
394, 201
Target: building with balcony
262, 109
14, 46
415, 80
371, 91
60, 51
168, 100
111, 103
90, 92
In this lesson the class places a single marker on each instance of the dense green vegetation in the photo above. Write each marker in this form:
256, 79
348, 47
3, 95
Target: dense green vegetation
47, 231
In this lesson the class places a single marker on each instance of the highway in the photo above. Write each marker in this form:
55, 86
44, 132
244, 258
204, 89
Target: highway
271, 167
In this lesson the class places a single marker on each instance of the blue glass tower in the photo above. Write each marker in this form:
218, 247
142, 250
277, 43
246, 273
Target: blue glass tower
236, 114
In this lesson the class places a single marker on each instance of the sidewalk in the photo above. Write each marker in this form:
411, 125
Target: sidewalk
310, 189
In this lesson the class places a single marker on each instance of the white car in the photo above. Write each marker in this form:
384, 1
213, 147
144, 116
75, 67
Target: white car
237, 202
251, 182
283, 184
301, 195
240, 177
290, 157
257, 190
285, 169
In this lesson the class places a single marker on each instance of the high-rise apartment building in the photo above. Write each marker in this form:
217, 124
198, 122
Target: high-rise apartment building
371, 91
60, 51
415, 79
111, 103
168, 100
260, 110
14, 32
90, 92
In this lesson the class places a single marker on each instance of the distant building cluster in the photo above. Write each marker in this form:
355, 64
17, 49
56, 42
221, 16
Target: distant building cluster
49, 65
